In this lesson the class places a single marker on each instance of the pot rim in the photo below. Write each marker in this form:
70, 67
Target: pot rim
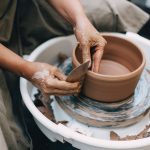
110, 77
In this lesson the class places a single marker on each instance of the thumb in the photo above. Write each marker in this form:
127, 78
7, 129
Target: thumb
60, 75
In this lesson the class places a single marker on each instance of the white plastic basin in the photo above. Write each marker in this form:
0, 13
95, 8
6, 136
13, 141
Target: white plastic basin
47, 52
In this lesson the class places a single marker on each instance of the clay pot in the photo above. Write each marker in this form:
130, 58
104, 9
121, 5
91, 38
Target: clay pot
120, 70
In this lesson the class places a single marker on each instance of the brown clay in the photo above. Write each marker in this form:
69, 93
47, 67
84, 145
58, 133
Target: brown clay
143, 134
120, 70
109, 67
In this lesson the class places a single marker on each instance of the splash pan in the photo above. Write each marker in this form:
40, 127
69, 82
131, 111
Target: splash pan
76, 133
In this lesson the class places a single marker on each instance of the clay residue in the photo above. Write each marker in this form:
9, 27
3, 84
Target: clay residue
79, 132
143, 134
62, 57
64, 122
41, 74
46, 111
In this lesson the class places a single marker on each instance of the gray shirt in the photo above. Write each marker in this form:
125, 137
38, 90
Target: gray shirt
24, 24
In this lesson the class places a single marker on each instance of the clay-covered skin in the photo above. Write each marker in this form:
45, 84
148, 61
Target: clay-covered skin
119, 72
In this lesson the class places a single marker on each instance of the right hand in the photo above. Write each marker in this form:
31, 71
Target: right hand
89, 38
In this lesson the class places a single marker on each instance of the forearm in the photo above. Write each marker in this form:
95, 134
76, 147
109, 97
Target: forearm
11, 61
86, 34
71, 10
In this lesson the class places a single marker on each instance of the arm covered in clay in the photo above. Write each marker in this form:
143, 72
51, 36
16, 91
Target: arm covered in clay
86, 34
44, 76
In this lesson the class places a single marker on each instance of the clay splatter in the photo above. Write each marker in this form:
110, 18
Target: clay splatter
143, 134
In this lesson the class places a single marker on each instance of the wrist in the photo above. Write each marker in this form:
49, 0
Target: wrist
25, 69
80, 19
83, 24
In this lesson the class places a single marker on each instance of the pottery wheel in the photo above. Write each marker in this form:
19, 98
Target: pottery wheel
101, 114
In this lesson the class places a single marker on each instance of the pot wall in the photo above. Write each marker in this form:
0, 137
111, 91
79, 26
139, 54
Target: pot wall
109, 88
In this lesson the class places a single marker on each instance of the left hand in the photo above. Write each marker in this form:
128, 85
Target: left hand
49, 79
90, 41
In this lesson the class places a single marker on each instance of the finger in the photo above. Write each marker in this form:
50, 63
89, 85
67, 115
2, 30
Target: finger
60, 75
64, 92
52, 90
96, 60
86, 56
63, 85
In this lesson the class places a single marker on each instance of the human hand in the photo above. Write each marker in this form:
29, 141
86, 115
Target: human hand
49, 79
91, 43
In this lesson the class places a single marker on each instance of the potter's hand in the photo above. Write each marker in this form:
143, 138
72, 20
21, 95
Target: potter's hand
49, 79
44, 76
91, 42
86, 34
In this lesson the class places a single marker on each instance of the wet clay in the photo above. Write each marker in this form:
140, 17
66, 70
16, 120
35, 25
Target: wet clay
109, 67
46, 111
120, 70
